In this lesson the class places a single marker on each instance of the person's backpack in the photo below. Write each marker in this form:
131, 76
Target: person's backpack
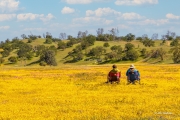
133, 75
114, 74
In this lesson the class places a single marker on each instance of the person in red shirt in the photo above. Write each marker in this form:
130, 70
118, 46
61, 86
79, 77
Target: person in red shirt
114, 75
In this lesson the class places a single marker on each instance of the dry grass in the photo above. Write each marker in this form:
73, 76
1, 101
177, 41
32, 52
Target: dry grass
80, 93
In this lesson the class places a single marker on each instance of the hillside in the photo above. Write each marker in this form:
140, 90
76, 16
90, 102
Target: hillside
61, 56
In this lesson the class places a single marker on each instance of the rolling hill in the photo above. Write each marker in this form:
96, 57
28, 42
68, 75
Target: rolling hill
61, 56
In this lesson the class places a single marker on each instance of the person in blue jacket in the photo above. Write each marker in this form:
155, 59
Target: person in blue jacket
132, 75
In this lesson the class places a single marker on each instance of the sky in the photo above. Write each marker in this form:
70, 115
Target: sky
138, 17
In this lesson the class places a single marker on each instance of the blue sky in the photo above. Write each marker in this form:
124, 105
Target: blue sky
138, 17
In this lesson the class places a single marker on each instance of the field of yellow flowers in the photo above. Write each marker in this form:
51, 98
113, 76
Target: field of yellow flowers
80, 93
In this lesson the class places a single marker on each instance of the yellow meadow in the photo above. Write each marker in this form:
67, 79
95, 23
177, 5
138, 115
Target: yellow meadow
80, 93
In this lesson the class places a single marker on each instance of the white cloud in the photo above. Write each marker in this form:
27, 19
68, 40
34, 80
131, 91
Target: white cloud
135, 2
31, 16
151, 22
108, 22
28, 16
4, 27
8, 5
47, 18
92, 20
171, 16
35, 29
78, 1
102, 12
67, 10
131, 16
4, 17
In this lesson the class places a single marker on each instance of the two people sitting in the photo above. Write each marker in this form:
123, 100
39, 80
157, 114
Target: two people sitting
115, 74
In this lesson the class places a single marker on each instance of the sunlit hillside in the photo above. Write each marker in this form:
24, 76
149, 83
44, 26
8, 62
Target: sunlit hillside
62, 55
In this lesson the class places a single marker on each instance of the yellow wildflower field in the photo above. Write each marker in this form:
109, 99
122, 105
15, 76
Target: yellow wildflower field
80, 93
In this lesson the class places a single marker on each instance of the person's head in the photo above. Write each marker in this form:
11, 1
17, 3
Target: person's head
114, 66
132, 67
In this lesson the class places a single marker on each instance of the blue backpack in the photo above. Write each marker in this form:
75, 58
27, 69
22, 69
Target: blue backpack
133, 75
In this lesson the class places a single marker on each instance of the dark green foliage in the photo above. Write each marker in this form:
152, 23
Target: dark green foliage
5, 53
12, 59
77, 56
174, 42
106, 44
2, 60
77, 49
40, 49
139, 38
42, 63
129, 46
30, 40
25, 51
129, 37
97, 51
61, 45
90, 39
56, 39
143, 52
131, 54
176, 53
32, 37
70, 43
148, 43
116, 48
49, 57
48, 41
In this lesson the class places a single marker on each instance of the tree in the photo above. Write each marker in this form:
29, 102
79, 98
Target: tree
82, 34
131, 54
1, 60
90, 39
48, 41
97, 51
77, 56
154, 36
162, 53
13, 59
106, 44
176, 53
148, 43
5, 53
48, 35
62, 36
49, 58
139, 38
39, 49
100, 31
61, 45
129, 46
169, 35
114, 32
23, 36
25, 52
145, 36
129, 37
174, 42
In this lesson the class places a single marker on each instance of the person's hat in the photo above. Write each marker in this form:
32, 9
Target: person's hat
114, 66
132, 66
